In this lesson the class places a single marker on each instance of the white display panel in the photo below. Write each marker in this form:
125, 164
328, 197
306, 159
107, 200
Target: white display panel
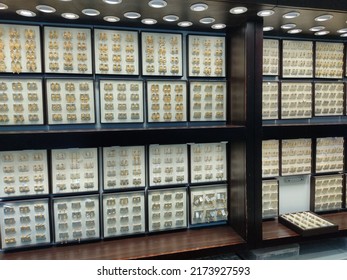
168, 164
75, 170
269, 199
70, 101
20, 49
270, 57
23, 173
270, 158
162, 54
208, 162
116, 52
329, 60
21, 102
121, 101
124, 214
167, 209
167, 101
76, 218
297, 59
270, 102
24, 223
330, 154
209, 204
124, 167
329, 99
206, 56
68, 50
208, 101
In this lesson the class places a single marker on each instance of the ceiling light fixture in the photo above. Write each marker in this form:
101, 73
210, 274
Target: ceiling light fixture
207, 20
199, 7
291, 15
343, 30
323, 18
132, 15
343, 35
70, 16
3, 6
149, 21
238, 10
25, 13
322, 33
112, 2
46, 9
65, 0
265, 13
288, 26
171, 18
111, 19
157, 4
91, 12
317, 28
185, 23
294, 31
218, 26
267, 28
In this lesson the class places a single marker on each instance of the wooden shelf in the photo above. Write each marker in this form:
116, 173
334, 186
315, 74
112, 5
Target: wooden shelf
170, 245
273, 231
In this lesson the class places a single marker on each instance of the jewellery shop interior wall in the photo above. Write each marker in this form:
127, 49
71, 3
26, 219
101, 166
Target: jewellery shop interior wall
59, 78
304, 83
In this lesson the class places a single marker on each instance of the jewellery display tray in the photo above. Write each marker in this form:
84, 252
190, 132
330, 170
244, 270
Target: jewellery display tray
323, 226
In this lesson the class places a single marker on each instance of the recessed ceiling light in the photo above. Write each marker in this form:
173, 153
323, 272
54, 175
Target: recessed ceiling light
3, 6
207, 20
70, 16
65, 0
185, 23
46, 9
91, 12
322, 33
291, 15
25, 13
171, 18
199, 7
157, 4
112, 2
288, 26
317, 28
343, 35
265, 13
149, 21
294, 31
132, 15
238, 10
323, 18
218, 26
267, 28
111, 19
343, 30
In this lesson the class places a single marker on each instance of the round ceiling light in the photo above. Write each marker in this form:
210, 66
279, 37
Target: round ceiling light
91, 12
291, 15
343, 30
171, 18
207, 20
322, 33
238, 10
267, 28
199, 7
294, 31
46, 9
157, 4
218, 26
343, 35
132, 15
3, 6
185, 23
265, 13
112, 2
65, 0
323, 18
70, 16
111, 19
25, 13
317, 28
149, 21
288, 26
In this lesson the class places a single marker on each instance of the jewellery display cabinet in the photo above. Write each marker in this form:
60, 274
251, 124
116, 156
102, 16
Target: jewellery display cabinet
128, 141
